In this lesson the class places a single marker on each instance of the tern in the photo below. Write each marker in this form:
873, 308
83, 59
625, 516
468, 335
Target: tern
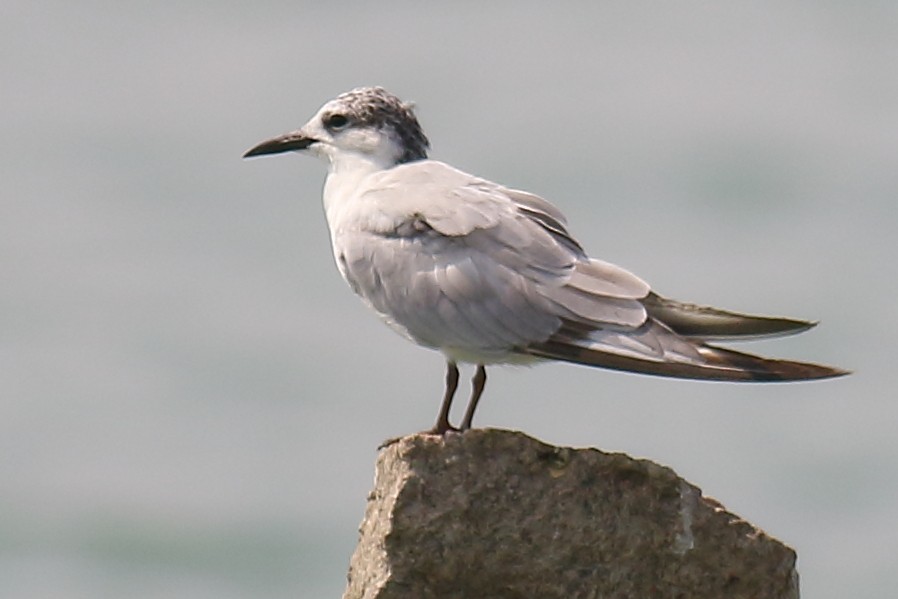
487, 274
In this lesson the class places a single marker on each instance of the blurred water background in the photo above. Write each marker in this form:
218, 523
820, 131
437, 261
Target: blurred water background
191, 396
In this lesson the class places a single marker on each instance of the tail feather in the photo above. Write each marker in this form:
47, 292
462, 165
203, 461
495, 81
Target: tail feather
718, 364
705, 322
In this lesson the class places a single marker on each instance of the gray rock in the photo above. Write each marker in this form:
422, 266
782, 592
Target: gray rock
492, 513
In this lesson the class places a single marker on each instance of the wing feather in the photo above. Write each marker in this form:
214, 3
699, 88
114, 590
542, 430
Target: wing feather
503, 260
596, 309
469, 267
705, 322
602, 278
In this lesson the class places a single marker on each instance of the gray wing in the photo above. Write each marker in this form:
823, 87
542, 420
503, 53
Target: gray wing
488, 273
468, 265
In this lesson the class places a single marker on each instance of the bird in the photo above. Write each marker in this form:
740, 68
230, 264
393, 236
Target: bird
489, 275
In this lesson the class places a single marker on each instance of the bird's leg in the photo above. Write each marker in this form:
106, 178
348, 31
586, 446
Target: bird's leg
442, 425
477, 385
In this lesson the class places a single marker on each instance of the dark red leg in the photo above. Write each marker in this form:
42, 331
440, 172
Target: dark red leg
442, 425
477, 384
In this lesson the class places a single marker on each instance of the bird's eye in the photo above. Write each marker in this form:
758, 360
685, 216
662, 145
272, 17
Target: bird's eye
335, 121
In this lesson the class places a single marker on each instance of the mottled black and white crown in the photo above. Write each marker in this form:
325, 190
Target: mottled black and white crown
378, 108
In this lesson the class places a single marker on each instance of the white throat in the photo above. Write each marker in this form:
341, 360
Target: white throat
345, 177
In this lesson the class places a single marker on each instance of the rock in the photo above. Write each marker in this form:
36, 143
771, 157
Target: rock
497, 514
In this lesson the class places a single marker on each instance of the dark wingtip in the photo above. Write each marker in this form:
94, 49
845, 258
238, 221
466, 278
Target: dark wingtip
834, 372
761, 369
708, 323
785, 371
721, 364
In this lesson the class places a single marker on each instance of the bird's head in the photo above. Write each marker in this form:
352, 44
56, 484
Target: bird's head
367, 123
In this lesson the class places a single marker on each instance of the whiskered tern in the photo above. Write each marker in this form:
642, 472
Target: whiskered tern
489, 275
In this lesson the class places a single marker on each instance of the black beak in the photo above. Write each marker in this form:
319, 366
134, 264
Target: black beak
289, 142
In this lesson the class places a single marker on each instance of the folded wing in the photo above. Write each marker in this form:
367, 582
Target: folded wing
472, 268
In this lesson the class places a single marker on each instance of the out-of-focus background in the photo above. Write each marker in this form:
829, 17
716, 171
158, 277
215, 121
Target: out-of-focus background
191, 396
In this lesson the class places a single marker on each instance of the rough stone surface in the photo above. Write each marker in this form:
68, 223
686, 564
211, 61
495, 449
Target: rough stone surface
493, 513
